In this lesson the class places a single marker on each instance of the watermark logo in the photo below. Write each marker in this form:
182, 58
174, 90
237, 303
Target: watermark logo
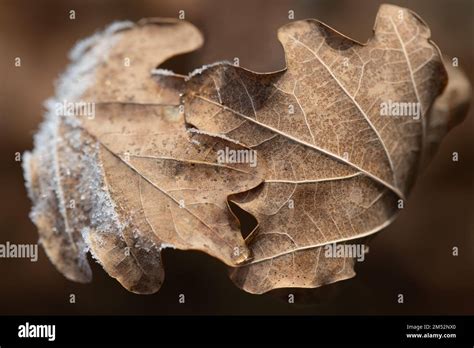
394, 108
20, 251
28, 330
78, 109
356, 251
231, 156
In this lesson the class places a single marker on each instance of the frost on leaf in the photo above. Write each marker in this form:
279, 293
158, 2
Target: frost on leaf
143, 171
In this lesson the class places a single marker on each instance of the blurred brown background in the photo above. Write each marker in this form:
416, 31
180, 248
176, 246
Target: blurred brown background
413, 256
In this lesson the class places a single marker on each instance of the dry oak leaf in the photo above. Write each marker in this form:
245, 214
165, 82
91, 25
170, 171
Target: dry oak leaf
448, 110
168, 184
130, 179
136, 178
337, 169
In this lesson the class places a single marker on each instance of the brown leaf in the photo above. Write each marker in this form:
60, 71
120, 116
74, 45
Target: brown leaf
130, 180
137, 175
167, 183
115, 65
337, 168
448, 110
